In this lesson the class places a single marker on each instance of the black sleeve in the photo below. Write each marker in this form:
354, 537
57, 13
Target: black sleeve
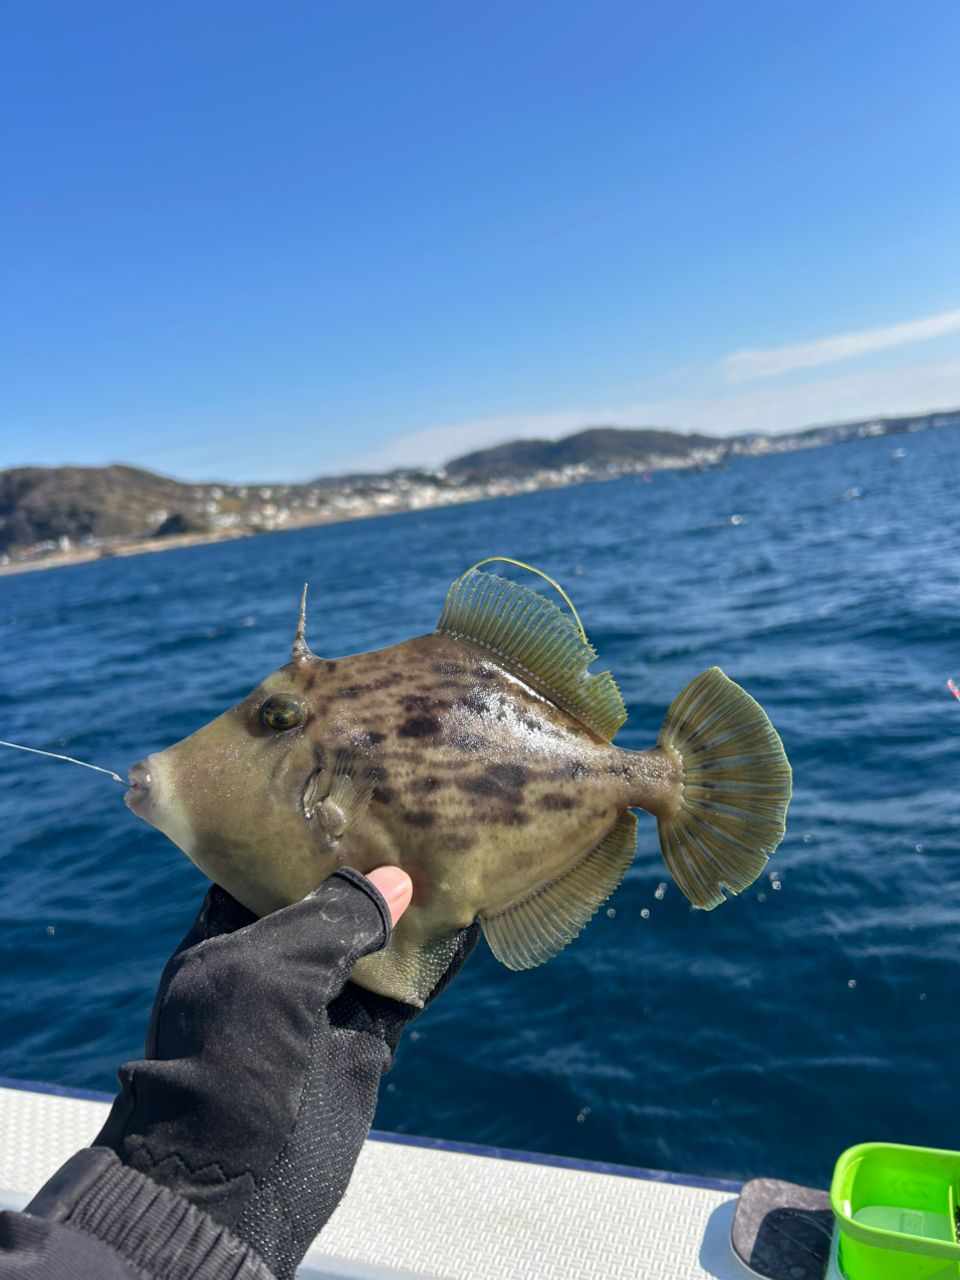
31, 1249
96, 1219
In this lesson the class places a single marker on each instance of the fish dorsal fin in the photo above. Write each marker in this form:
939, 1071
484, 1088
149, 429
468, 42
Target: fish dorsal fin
534, 930
537, 641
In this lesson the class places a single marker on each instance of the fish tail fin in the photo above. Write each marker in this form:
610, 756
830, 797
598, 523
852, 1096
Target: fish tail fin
736, 788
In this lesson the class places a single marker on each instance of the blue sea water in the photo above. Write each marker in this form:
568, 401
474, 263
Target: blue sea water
817, 1010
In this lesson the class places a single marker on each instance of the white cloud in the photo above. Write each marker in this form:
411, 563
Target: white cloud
746, 366
871, 393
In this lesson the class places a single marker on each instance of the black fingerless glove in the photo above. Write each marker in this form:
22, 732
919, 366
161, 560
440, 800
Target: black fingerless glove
262, 1066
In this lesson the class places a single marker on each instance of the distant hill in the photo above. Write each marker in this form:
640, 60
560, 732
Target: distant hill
44, 504
594, 447
43, 509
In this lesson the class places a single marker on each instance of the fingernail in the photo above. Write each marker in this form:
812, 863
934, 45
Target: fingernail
396, 887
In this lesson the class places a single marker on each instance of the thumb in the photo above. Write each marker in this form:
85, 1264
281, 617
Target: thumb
395, 886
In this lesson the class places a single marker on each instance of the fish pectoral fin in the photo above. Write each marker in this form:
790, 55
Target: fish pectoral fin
536, 929
349, 790
535, 640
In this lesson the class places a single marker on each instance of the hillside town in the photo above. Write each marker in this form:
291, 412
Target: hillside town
57, 516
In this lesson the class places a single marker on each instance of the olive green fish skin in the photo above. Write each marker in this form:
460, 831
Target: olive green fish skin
483, 789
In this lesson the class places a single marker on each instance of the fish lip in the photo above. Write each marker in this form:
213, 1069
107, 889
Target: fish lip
139, 795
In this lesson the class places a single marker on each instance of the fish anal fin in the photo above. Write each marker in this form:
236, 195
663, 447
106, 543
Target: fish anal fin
536, 640
537, 928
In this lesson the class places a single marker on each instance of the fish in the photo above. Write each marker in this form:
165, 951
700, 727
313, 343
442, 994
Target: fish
479, 758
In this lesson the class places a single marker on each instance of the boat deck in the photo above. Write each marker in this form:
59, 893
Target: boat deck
420, 1207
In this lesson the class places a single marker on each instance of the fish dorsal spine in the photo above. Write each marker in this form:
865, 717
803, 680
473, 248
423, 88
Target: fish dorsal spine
537, 641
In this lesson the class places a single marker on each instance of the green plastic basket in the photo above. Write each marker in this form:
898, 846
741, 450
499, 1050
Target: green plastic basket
896, 1210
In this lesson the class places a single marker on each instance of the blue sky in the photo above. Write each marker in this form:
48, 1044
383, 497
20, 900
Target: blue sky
268, 241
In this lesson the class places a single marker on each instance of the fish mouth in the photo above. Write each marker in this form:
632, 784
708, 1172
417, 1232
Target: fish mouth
140, 794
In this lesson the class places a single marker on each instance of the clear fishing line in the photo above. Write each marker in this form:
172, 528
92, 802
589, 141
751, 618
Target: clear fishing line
540, 574
70, 760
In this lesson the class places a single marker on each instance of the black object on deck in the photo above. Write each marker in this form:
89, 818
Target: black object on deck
782, 1231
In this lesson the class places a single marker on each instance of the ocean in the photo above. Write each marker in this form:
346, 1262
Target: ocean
815, 1011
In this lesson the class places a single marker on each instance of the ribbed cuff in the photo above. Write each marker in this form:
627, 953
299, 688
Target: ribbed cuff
149, 1226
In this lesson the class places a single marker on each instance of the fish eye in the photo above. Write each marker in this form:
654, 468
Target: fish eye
281, 712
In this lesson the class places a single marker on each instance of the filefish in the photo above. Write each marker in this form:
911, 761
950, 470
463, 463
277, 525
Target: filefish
479, 758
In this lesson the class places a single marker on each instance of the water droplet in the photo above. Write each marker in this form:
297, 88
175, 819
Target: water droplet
391, 1087
611, 912
248, 622
761, 897
582, 1115
923, 995
775, 884
919, 848
416, 1035
50, 931
736, 519
645, 913
851, 983
807, 837
660, 892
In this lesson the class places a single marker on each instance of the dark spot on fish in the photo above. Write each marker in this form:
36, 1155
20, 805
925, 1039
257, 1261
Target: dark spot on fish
419, 817
422, 726
368, 738
485, 673
459, 844
577, 769
469, 743
319, 758
476, 700
482, 785
510, 775
377, 772
448, 668
556, 801
383, 795
382, 682
413, 702
424, 786
501, 780
510, 817
618, 771
331, 667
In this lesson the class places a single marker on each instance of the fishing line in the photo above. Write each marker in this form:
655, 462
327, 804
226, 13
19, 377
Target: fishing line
540, 574
70, 760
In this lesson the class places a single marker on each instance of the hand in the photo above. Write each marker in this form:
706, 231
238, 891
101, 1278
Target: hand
263, 1062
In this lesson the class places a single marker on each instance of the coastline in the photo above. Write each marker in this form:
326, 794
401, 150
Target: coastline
409, 492
147, 546
132, 547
